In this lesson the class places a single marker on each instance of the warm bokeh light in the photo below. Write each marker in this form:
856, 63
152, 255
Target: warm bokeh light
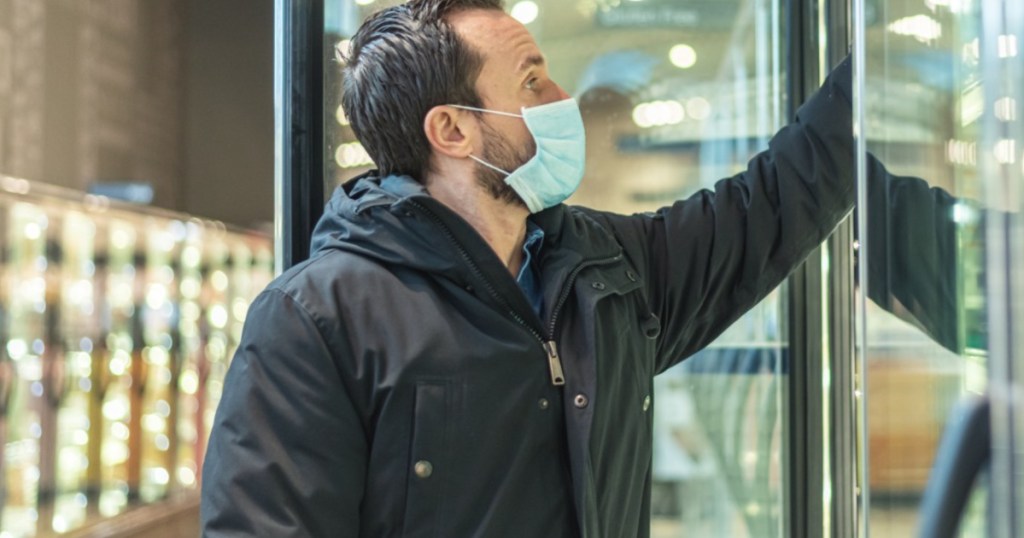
525, 11
921, 27
683, 56
658, 113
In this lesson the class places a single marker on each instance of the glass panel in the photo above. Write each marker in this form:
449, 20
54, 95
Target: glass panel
1002, 66
1010, 440
675, 95
937, 111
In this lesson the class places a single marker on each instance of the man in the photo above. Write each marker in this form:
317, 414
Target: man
464, 355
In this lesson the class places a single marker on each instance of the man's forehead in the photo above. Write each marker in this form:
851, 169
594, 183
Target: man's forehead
498, 37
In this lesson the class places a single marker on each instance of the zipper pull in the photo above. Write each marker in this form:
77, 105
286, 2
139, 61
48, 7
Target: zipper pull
554, 363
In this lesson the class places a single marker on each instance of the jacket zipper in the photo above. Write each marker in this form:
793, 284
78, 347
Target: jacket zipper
554, 360
549, 345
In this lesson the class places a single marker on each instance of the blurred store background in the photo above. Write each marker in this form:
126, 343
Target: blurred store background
136, 205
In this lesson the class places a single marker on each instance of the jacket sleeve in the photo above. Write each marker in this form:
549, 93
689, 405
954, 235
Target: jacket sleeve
710, 258
914, 248
288, 451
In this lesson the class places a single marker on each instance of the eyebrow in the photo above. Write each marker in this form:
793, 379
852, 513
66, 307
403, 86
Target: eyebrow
530, 61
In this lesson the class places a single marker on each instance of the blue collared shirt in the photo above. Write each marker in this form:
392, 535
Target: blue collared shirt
529, 274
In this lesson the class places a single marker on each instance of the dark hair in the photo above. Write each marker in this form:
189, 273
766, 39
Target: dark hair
405, 60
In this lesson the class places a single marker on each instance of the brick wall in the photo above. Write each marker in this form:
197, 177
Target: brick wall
92, 90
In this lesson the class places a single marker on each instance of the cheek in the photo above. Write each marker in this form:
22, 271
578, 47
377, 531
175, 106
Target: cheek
515, 134
523, 138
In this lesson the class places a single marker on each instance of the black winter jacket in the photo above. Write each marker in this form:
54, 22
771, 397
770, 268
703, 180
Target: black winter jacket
398, 383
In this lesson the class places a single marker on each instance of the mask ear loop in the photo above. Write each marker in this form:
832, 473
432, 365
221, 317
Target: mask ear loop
489, 165
498, 112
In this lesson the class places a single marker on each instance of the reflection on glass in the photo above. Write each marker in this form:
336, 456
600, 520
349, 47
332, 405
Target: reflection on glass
718, 437
926, 327
675, 96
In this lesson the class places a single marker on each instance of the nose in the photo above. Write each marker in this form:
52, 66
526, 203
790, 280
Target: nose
561, 93
555, 93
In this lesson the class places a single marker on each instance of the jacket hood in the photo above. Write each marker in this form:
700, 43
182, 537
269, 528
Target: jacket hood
383, 219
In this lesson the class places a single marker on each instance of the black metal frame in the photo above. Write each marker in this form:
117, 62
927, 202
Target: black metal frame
804, 417
810, 312
842, 434
300, 141
299, 116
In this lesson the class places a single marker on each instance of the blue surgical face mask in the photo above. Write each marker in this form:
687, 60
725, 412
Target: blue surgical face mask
555, 172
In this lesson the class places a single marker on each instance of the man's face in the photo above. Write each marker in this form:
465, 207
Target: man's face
514, 75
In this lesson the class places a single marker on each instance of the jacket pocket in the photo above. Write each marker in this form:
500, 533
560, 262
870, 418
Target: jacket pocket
426, 465
626, 332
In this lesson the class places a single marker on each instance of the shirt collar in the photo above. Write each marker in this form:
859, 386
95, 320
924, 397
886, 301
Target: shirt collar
531, 248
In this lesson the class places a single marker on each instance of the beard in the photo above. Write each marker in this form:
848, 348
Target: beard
500, 153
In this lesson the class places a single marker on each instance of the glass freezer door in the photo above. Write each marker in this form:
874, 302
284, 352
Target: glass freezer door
940, 222
675, 95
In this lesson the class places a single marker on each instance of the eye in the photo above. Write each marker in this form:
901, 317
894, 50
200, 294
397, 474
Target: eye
531, 84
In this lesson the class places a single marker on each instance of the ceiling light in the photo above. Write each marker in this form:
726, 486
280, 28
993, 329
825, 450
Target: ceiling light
1006, 109
658, 113
1007, 46
920, 27
954, 6
962, 152
1005, 151
698, 108
352, 155
342, 50
683, 56
525, 11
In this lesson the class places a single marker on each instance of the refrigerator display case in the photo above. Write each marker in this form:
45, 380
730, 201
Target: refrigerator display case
190, 326
78, 328
941, 89
159, 337
119, 476
25, 284
216, 323
118, 324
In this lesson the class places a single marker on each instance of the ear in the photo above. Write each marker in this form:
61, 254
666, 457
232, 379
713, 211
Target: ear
451, 131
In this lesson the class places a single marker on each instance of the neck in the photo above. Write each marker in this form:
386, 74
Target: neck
502, 225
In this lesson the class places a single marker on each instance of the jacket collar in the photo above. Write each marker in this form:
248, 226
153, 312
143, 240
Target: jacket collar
394, 220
